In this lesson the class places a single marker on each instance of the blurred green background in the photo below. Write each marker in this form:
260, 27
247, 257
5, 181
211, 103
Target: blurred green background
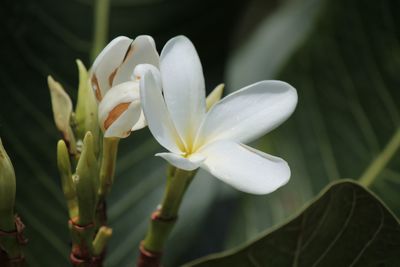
342, 56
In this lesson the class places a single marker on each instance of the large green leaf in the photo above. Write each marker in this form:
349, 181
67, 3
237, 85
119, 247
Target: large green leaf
345, 226
344, 58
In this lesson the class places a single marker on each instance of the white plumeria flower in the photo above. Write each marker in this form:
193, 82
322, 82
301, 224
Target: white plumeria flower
214, 140
115, 86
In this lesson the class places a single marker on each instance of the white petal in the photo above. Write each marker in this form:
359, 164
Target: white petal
155, 110
247, 169
106, 63
248, 113
189, 164
124, 93
141, 69
141, 51
141, 123
183, 85
122, 126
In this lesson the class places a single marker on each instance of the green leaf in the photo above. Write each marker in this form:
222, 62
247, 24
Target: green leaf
343, 57
345, 226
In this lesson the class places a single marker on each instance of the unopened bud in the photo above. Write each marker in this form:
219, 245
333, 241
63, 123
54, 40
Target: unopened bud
101, 240
86, 107
87, 181
7, 191
64, 167
62, 109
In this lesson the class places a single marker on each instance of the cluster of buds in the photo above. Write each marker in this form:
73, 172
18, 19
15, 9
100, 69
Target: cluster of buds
79, 163
87, 224
108, 109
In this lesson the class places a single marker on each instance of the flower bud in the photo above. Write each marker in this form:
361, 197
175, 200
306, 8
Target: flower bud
68, 187
62, 110
101, 240
7, 191
86, 107
117, 88
87, 181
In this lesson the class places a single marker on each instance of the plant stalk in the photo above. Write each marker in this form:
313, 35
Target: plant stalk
108, 162
164, 218
101, 21
107, 171
380, 162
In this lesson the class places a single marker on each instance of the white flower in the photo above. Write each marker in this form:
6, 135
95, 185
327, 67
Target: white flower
115, 86
214, 140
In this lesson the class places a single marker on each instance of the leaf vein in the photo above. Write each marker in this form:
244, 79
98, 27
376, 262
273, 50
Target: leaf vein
357, 258
339, 234
315, 230
299, 241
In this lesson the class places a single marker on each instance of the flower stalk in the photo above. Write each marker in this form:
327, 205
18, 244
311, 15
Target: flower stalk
108, 162
101, 18
164, 218
107, 171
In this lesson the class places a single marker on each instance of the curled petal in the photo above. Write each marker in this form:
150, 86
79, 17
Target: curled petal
247, 169
248, 113
116, 102
189, 164
106, 64
123, 125
141, 123
183, 85
141, 51
141, 69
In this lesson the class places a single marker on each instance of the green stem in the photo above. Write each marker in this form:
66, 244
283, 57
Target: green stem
108, 162
380, 162
164, 219
107, 171
101, 19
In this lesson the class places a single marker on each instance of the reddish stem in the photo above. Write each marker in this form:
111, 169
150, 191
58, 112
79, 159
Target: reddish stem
148, 258
81, 254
